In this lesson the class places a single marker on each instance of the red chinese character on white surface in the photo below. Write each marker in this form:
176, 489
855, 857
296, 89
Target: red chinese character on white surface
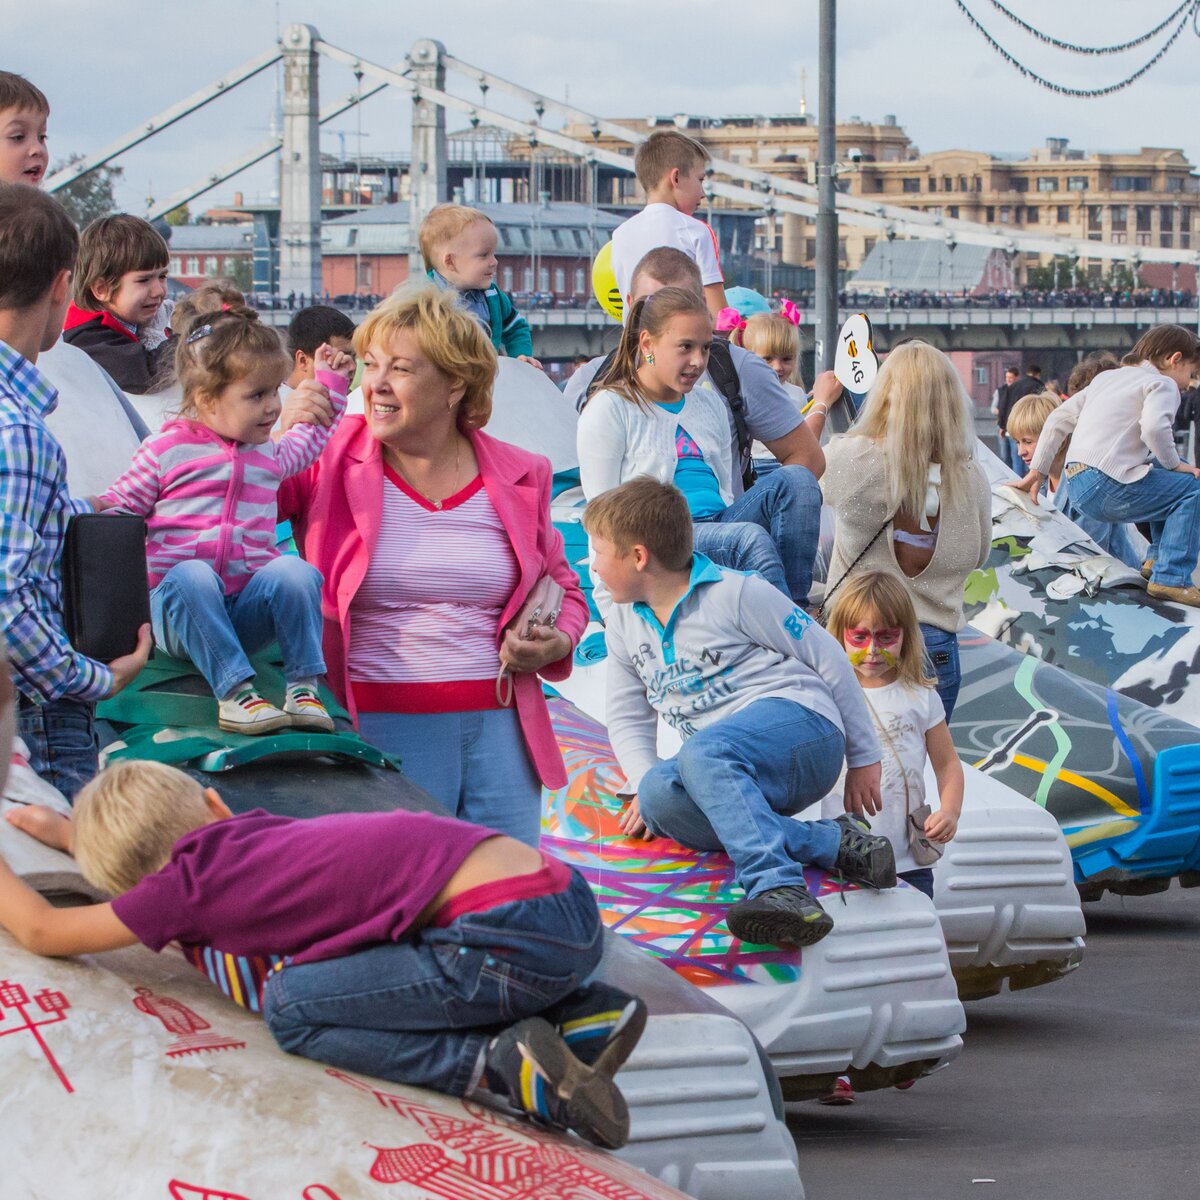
490, 1157
54, 1004
178, 1190
190, 1028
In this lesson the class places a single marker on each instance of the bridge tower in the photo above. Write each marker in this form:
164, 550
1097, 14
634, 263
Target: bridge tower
427, 174
300, 167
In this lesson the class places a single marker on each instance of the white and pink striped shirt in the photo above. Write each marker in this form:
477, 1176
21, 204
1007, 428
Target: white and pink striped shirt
424, 624
205, 497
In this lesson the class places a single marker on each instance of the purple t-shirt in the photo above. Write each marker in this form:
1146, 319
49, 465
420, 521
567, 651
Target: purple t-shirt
318, 888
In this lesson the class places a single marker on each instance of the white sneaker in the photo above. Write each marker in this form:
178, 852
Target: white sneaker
249, 713
305, 709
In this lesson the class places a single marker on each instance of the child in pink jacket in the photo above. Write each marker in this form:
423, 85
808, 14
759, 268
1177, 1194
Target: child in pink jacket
207, 484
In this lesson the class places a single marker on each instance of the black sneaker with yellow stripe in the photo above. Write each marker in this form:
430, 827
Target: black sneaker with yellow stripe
600, 1023
530, 1065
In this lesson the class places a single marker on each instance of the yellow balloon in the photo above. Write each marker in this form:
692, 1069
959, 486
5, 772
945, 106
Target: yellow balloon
604, 283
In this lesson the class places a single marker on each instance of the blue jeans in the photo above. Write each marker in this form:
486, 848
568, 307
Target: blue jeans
772, 529
1012, 456
921, 878
194, 619
422, 1010
733, 786
941, 660
1112, 538
475, 764
1169, 500
61, 736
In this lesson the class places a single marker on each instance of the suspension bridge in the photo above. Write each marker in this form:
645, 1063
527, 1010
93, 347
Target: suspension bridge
423, 76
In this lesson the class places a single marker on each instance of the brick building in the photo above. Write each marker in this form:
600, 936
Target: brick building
543, 248
221, 251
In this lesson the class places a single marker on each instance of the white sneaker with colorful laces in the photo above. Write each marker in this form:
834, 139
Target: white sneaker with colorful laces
304, 708
249, 713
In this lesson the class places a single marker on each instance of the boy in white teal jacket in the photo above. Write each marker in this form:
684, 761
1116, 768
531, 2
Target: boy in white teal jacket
765, 700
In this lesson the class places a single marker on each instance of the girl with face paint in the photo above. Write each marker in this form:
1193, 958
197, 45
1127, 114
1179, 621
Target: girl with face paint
873, 617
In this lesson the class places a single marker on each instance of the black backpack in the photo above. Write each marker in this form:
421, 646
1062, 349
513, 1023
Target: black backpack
724, 374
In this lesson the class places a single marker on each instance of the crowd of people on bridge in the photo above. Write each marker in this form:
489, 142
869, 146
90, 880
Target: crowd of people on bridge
424, 543
1015, 297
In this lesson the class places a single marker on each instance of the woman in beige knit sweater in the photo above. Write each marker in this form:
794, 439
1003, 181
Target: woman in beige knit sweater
910, 498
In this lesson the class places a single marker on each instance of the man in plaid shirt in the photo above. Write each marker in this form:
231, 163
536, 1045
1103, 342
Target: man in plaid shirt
56, 687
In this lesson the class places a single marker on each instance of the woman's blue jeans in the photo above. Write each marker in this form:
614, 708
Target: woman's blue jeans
941, 660
734, 785
194, 619
475, 764
1169, 500
772, 529
422, 1010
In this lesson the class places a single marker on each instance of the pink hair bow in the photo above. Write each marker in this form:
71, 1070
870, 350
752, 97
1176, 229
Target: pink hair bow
789, 310
729, 320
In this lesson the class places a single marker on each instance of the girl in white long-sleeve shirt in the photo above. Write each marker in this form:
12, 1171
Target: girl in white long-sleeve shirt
1122, 460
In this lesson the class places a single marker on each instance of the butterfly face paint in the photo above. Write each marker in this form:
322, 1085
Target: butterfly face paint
874, 651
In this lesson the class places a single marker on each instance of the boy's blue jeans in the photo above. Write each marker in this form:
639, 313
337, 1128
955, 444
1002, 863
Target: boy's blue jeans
1169, 500
772, 530
422, 1011
1113, 538
61, 736
194, 619
734, 785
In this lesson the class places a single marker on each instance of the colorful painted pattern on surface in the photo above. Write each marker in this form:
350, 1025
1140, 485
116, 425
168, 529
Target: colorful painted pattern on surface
1049, 592
667, 899
1081, 751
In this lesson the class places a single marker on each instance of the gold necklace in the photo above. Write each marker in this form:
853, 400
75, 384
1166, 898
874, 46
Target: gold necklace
427, 498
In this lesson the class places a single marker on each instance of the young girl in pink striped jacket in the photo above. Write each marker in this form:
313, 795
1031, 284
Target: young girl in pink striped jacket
207, 484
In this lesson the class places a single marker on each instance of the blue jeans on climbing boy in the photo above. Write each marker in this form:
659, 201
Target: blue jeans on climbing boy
422, 1011
193, 618
1168, 500
772, 529
734, 785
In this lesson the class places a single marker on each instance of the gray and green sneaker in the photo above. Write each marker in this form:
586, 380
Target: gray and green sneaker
782, 916
530, 1065
864, 857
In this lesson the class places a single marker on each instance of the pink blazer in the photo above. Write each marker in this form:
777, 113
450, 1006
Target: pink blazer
336, 507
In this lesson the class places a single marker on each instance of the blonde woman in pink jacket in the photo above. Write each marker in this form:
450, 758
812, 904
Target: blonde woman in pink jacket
207, 485
430, 536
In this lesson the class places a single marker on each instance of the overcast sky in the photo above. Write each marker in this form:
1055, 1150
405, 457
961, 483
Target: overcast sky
108, 67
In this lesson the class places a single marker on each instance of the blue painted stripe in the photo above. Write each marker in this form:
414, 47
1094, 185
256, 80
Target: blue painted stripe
1114, 719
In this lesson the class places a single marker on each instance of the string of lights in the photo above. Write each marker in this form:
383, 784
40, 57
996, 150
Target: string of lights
1191, 8
1187, 5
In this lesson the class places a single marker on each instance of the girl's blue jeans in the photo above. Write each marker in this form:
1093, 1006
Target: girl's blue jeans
734, 785
422, 1010
1168, 500
772, 529
194, 619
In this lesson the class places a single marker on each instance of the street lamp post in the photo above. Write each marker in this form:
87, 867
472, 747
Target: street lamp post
827, 221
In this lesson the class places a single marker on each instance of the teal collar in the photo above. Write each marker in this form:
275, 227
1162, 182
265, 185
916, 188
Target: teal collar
704, 570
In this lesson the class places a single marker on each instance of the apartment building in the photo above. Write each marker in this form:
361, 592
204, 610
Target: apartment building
1144, 197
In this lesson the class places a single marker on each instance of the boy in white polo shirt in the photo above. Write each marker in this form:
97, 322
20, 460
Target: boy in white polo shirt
670, 167
765, 700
